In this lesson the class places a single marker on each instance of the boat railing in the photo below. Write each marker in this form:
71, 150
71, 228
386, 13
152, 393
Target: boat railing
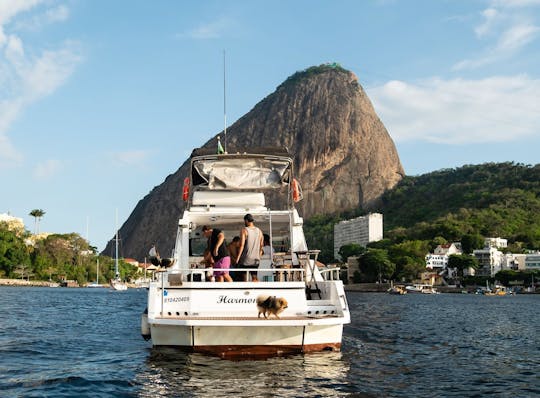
330, 274
271, 274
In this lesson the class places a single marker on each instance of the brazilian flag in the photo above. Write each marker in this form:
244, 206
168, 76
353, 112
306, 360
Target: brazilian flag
220, 149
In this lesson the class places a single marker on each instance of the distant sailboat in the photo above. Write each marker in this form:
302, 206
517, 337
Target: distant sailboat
96, 283
117, 283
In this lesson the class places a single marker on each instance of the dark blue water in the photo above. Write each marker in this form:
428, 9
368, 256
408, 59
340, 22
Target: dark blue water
86, 342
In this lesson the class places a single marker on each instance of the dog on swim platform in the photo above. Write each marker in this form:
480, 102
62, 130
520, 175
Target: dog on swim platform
271, 305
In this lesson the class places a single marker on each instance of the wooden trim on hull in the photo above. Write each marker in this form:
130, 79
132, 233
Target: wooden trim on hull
257, 351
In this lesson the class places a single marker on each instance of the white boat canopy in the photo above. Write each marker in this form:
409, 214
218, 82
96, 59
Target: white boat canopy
240, 171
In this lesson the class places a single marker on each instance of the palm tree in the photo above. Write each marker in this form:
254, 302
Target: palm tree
37, 214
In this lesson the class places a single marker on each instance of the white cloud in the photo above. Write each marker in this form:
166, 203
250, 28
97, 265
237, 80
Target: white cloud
459, 111
38, 21
516, 37
14, 50
50, 71
10, 8
490, 16
130, 158
9, 156
47, 169
211, 30
509, 26
24, 78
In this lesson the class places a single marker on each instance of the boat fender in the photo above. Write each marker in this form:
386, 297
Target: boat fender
145, 327
296, 191
185, 189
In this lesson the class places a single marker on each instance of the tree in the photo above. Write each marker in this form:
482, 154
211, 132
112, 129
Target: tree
319, 233
24, 271
376, 265
37, 214
438, 240
409, 269
350, 250
13, 251
470, 242
507, 275
461, 262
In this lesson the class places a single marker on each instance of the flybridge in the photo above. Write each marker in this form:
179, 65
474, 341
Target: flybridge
254, 170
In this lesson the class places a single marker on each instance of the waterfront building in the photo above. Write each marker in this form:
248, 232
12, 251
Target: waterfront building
438, 260
514, 262
360, 230
131, 261
490, 261
353, 265
532, 261
495, 242
14, 224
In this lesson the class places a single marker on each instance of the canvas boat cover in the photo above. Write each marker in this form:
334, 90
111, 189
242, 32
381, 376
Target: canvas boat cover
262, 168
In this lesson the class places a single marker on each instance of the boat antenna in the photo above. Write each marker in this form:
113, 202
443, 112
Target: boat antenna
224, 107
116, 246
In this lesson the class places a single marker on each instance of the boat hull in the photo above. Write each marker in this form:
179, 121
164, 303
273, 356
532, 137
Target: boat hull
118, 286
254, 341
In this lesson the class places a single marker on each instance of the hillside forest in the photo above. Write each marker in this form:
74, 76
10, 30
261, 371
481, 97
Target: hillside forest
55, 257
464, 205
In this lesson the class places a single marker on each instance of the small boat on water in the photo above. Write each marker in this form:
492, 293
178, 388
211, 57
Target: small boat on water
421, 288
117, 283
188, 309
498, 290
397, 289
96, 283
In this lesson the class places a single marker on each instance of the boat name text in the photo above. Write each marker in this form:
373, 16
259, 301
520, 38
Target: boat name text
235, 300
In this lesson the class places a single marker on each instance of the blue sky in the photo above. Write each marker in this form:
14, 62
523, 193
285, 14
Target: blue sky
101, 100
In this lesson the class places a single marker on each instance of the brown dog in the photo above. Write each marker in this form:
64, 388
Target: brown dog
271, 305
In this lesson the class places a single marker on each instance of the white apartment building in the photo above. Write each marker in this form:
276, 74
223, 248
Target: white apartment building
438, 260
512, 261
495, 242
360, 230
490, 261
532, 261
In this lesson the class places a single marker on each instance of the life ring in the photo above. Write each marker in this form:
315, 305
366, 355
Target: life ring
185, 190
296, 191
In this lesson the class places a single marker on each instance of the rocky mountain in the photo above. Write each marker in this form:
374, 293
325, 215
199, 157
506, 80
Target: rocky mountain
344, 157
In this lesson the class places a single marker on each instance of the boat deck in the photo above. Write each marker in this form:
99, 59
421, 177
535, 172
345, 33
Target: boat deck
234, 321
248, 318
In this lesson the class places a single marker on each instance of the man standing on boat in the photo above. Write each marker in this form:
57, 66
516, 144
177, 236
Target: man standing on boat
218, 251
251, 244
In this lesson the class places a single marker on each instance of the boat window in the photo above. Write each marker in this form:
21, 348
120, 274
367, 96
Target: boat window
197, 246
281, 244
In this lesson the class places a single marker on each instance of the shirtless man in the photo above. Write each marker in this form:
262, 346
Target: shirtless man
251, 244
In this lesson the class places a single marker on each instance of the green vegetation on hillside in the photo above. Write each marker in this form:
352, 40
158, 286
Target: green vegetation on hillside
312, 71
492, 199
56, 257
464, 204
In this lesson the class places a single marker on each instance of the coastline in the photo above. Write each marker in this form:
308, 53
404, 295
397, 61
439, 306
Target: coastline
25, 283
22, 282
353, 287
383, 287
